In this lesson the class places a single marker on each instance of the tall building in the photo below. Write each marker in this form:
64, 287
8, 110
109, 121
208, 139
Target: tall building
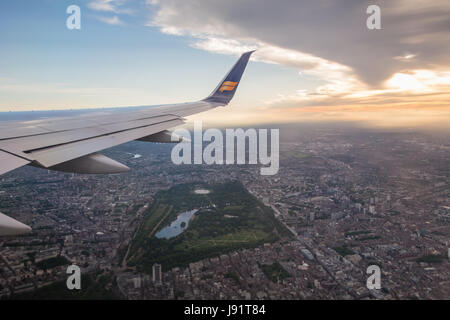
157, 274
137, 282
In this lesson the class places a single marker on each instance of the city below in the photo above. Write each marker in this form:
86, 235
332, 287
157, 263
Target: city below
344, 199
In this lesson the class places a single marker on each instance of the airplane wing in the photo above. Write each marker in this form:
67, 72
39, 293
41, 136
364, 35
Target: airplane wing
72, 144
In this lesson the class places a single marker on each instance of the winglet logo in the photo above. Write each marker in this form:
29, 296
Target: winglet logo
228, 86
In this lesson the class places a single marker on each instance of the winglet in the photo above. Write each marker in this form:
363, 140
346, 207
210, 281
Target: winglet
226, 89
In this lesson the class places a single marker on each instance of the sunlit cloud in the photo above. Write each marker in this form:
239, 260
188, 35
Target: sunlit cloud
406, 57
342, 92
359, 79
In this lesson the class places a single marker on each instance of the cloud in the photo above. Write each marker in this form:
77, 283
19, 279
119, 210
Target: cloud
418, 89
115, 6
338, 77
102, 5
114, 20
110, 6
402, 69
332, 30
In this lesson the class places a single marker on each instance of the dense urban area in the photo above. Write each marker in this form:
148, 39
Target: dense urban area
343, 199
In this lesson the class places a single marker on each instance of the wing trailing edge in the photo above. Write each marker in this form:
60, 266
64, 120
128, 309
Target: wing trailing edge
11, 227
163, 137
10, 162
95, 163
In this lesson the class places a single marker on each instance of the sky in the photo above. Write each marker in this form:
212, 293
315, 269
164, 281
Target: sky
315, 60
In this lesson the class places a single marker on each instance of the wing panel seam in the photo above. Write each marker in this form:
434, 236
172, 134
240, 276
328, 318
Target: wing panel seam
95, 137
